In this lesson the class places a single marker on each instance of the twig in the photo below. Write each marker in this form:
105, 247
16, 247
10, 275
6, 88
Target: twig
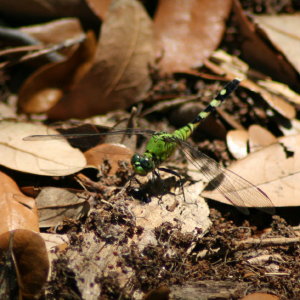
278, 274
271, 241
46, 50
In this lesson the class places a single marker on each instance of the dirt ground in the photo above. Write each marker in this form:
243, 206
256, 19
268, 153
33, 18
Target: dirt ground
237, 255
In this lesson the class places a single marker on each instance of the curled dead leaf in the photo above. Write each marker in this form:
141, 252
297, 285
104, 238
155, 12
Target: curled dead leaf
260, 137
280, 89
120, 73
45, 87
236, 68
42, 100
277, 102
18, 211
30, 257
259, 51
114, 153
237, 143
260, 296
99, 7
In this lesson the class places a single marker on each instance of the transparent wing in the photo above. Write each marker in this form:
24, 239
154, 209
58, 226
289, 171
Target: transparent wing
237, 190
129, 131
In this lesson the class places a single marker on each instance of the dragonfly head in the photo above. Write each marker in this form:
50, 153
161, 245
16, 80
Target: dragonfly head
142, 164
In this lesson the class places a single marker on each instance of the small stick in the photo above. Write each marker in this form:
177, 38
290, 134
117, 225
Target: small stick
271, 241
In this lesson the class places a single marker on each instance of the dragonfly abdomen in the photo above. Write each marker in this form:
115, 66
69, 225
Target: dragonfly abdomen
184, 132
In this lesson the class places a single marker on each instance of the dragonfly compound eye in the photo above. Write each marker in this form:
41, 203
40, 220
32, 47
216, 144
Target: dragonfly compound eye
146, 164
141, 165
135, 159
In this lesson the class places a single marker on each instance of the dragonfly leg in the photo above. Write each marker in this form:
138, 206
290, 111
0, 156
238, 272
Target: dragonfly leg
177, 175
155, 179
133, 178
139, 193
170, 172
156, 186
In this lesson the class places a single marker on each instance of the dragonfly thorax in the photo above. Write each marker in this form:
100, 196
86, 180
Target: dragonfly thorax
142, 164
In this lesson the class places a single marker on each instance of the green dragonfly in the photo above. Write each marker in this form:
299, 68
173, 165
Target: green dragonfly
161, 145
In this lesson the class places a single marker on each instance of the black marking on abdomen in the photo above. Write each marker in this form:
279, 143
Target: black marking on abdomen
223, 94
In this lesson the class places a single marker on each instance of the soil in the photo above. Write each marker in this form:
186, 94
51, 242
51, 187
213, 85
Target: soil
245, 253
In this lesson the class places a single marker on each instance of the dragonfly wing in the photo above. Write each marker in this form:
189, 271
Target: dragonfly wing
237, 190
130, 131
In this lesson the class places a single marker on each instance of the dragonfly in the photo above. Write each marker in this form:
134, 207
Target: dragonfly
161, 145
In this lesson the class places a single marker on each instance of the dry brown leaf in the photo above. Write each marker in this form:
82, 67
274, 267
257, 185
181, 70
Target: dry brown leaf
260, 296
277, 102
50, 157
99, 8
120, 73
114, 153
45, 87
54, 32
280, 89
188, 31
17, 210
258, 50
237, 143
9, 281
274, 169
260, 137
283, 31
234, 67
56, 205
30, 257
222, 62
